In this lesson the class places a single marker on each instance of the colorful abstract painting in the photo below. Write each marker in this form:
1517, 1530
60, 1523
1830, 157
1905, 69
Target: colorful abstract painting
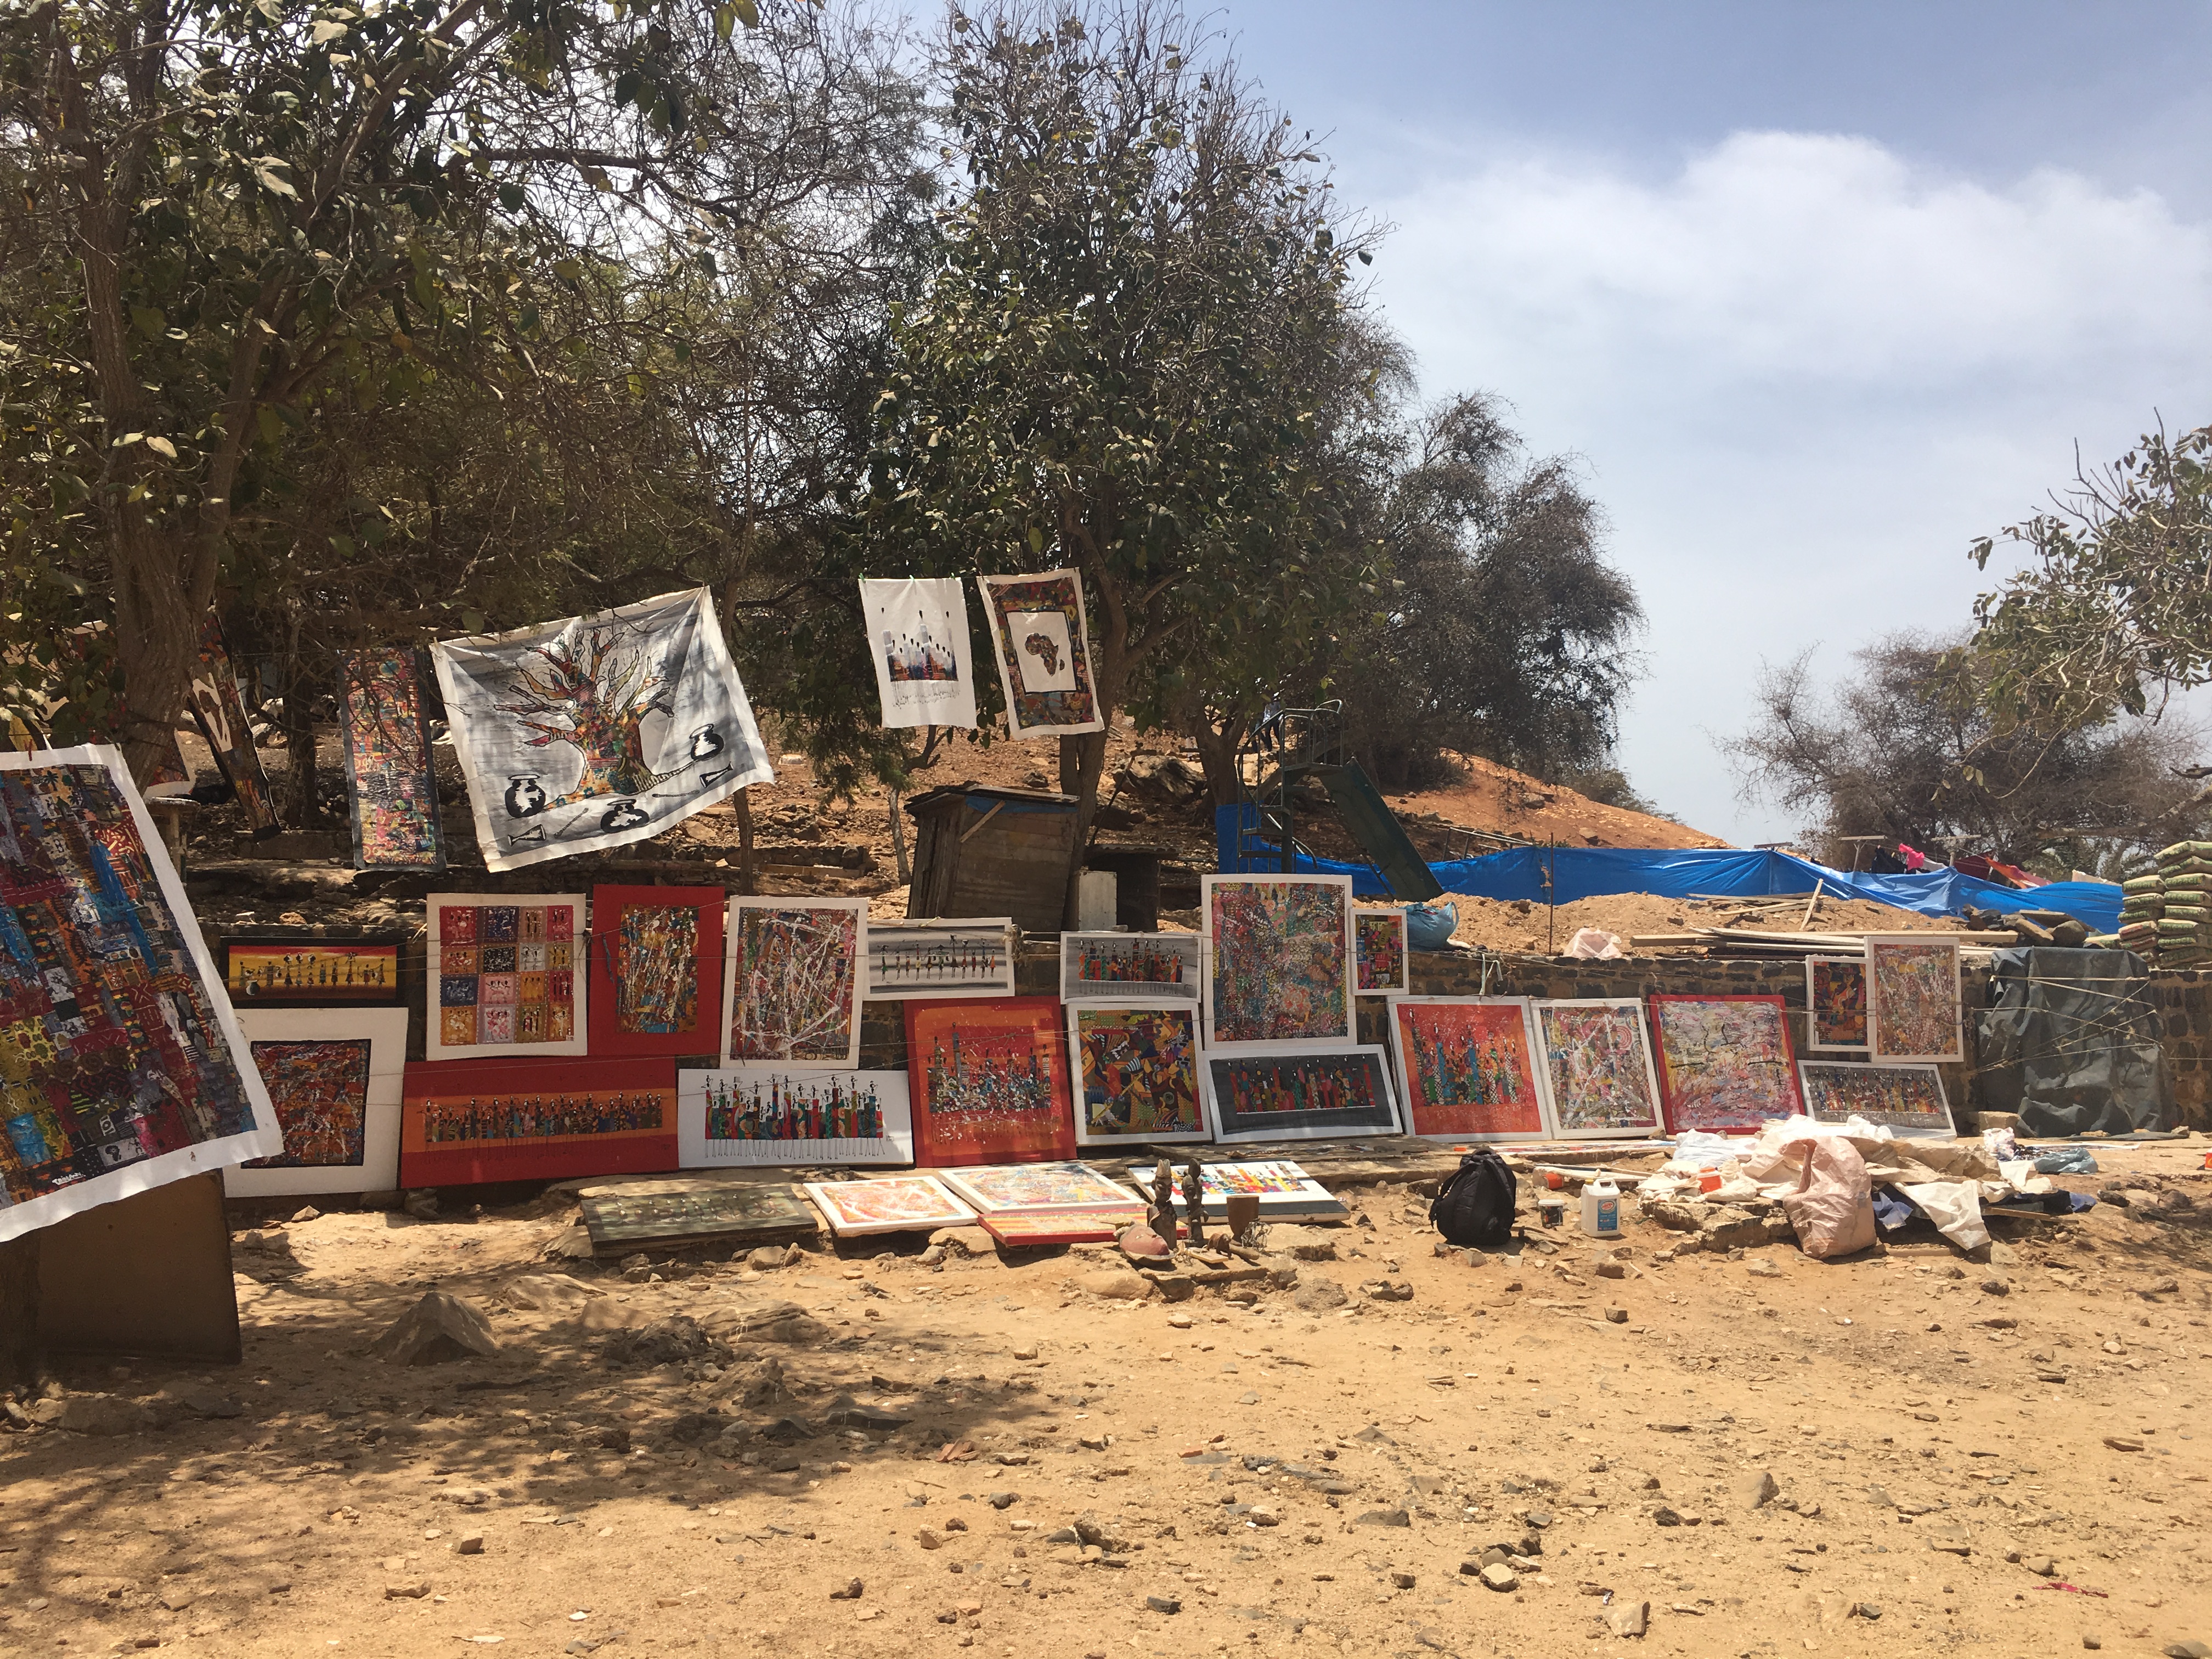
598, 731
391, 789
122, 1067
1308, 1095
273, 970
1031, 1187
1283, 1188
1469, 1067
334, 1076
794, 981
769, 1115
218, 708
918, 638
1909, 1097
989, 1081
1597, 1061
1279, 961
1043, 647
1912, 998
1379, 946
1725, 1062
655, 955
1128, 967
1835, 1004
969, 958
1137, 1072
516, 1120
506, 975
1029, 1229
888, 1204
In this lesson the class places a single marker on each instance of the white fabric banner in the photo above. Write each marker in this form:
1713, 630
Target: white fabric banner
918, 639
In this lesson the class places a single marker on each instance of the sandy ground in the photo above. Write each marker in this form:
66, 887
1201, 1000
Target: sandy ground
1286, 1478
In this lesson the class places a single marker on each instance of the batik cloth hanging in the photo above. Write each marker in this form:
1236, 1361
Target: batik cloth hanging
918, 639
1043, 647
391, 792
598, 731
218, 708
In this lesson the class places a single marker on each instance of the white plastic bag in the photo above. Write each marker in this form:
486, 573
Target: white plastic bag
1594, 945
1833, 1206
1955, 1207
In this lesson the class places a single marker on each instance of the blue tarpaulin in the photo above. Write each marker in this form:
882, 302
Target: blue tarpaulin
1677, 872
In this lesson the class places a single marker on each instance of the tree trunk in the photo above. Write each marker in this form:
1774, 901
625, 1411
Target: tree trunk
748, 881
301, 690
19, 1313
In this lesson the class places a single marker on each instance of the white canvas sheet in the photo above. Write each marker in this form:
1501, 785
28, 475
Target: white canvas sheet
918, 639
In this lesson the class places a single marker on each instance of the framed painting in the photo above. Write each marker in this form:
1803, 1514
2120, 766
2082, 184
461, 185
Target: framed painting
1035, 1187
334, 1076
1128, 967
272, 970
989, 1081
505, 975
1597, 1068
888, 1204
1042, 642
1309, 1094
391, 788
792, 981
1279, 961
1836, 1005
1137, 1073
1378, 937
1026, 1230
743, 1213
937, 958
1283, 1188
463, 1121
1913, 1001
656, 961
1467, 1068
1725, 1062
122, 1065
1905, 1098
918, 638
775, 1114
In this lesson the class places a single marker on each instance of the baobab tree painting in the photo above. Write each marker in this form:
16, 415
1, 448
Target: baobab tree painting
598, 731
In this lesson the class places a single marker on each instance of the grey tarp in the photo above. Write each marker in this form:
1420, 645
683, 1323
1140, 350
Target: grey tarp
2069, 1042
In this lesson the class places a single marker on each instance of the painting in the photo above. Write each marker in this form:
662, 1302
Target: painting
334, 1076
305, 971
792, 981
122, 1065
1279, 961
1725, 1062
918, 638
1137, 1073
1128, 967
1378, 940
968, 958
1037, 1187
745, 1214
1904, 1097
217, 704
1310, 1094
768, 1114
1597, 1064
1836, 1005
596, 732
1043, 647
989, 1081
1467, 1067
655, 955
391, 788
526, 1120
1029, 1230
505, 976
888, 1204
1912, 998
1283, 1188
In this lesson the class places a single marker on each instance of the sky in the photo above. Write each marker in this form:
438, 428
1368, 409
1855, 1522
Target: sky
1817, 294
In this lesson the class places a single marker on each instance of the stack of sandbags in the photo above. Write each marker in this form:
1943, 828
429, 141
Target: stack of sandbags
2184, 915
2142, 901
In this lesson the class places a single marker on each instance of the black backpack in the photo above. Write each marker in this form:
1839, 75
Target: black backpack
1473, 1209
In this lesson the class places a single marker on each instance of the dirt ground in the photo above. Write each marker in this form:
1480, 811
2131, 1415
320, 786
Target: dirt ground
1520, 924
1287, 1477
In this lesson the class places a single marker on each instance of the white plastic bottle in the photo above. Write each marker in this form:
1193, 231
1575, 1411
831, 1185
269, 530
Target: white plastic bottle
1602, 1209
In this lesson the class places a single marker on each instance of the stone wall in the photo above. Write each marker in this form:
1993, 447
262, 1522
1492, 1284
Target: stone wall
2184, 1001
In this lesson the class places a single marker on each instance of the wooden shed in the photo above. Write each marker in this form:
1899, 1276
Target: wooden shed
992, 853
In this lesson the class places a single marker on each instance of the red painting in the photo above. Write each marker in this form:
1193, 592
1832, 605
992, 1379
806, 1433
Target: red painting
656, 956
468, 1121
989, 1081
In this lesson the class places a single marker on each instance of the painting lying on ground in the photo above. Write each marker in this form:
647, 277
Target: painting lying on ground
1137, 1072
765, 1115
595, 731
1128, 967
892, 1204
1043, 647
1909, 1097
1310, 1094
1279, 961
122, 1067
1912, 998
656, 969
512, 1120
1468, 1068
967, 958
1379, 946
793, 982
1038, 1187
269, 971
391, 789
1835, 1004
1598, 1071
989, 1081
334, 1076
918, 638
505, 975
1724, 1062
